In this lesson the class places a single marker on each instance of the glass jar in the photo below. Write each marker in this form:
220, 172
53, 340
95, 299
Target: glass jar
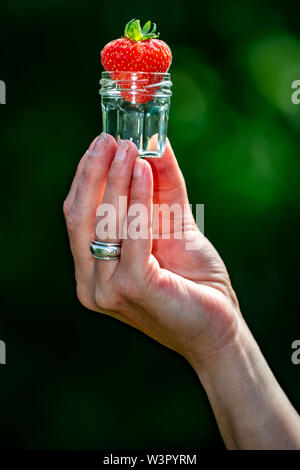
135, 106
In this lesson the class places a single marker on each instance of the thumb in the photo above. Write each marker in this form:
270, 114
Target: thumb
168, 181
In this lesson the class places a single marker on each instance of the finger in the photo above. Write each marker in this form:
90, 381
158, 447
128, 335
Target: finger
168, 181
81, 217
112, 212
136, 248
70, 197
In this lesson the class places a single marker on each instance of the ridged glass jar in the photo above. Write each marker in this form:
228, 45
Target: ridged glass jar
135, 106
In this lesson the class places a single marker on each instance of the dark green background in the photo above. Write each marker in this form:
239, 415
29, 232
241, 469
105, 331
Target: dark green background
75, 379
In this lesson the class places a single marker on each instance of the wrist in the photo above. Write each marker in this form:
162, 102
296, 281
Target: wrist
237, 351
251, 409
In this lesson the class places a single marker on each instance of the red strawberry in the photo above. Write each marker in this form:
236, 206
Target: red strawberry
137, 51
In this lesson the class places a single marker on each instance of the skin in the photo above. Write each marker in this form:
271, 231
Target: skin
181, 298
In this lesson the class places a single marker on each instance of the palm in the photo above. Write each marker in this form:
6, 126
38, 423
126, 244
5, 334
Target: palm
167, 292
172, 268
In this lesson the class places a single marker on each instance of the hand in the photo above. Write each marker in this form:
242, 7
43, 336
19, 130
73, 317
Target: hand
181, 298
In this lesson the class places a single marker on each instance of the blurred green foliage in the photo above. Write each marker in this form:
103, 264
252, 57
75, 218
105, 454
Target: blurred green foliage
75, 379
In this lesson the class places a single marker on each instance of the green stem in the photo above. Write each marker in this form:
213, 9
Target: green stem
134, 31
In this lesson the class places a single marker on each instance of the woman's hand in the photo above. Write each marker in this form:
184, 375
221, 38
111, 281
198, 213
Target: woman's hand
182, 298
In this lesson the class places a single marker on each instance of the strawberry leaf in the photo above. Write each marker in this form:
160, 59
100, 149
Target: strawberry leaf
134, 32
146, 28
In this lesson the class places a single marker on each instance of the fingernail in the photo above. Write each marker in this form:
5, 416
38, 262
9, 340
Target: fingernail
121, 150
138, 168
104, 136
100, 143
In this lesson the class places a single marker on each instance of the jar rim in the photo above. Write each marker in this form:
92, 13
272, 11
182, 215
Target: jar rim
132, 72
134, 84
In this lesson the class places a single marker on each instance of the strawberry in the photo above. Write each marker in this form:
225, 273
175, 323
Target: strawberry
137, 56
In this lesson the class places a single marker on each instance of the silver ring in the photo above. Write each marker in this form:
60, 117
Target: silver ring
102, 250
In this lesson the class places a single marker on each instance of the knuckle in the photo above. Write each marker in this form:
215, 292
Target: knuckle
88, 171
103, 301
72, 221
84, 297
114, 179
65, 207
